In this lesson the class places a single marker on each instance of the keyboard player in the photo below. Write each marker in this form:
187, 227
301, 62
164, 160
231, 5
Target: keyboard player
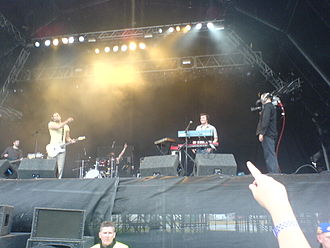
204, 120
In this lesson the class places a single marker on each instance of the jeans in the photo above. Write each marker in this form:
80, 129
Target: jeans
268, 146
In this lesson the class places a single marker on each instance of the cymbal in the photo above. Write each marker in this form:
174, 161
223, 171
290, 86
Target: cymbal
80, 160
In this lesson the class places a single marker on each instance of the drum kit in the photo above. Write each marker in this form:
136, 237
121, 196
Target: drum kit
103, 168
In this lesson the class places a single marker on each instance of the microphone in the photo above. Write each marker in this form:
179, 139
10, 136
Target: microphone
190, 122
113, 144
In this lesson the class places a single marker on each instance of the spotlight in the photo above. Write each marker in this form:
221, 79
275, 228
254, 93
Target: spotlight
146, 36
107, 49
91, 40
123, 48
132, 46
55, 42
187, 63
160, 30
220, 27
142, 45
199, 26
65, 40
97, 51
170, 30
71, 40
187, 28
178, 28
115, 48
81, 38
210, 25
37, 44
47, 43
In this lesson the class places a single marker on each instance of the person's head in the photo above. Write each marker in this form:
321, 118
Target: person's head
265, 98
107, 233
204, 118
56, 117
16, 143
323, 234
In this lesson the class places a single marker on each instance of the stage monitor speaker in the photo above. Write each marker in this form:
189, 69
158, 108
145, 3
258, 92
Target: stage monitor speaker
86, 242
7, 170
37, 168
6, 219
210, 164
58, 224
165, 165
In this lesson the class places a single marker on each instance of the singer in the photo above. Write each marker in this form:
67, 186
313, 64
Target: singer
267, 132
204, 120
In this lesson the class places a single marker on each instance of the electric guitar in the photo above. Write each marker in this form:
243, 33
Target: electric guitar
54, 149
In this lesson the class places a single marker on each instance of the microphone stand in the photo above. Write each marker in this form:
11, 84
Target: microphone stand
186, 149
36, 143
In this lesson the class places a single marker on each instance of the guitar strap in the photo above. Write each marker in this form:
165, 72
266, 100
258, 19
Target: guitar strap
63, 135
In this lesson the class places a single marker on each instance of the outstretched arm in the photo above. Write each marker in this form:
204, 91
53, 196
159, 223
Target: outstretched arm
273, 196
122, 152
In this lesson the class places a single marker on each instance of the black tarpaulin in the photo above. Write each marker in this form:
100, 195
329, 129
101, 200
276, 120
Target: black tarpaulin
96, 197
211, 211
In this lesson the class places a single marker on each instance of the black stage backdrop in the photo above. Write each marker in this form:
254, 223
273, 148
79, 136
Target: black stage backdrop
212, 211
158, 107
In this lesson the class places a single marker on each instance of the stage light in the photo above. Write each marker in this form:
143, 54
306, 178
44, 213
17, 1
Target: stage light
55, 42
146, 36
115, 48
37, 44
81, 38
178, 28
187, 28
186, 61
142, 45
107, 49
91, 40
123, 48
160, 30
71, 40
97, 51
65, 40
221, 27
210, 25
47, 43
132, 46
170, 30
198, 26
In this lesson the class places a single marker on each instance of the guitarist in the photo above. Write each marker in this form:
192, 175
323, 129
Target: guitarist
13, 153
59, 134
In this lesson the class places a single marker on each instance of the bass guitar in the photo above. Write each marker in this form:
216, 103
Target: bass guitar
54, 149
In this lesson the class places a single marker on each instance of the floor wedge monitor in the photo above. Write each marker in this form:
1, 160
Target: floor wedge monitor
165, 165
210, 164
37, 168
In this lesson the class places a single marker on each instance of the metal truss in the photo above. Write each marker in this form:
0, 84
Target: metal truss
190, 63
11, 29
134, 33
13, 74
256, 60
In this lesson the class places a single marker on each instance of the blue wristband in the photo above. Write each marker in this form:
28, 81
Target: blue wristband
286, 224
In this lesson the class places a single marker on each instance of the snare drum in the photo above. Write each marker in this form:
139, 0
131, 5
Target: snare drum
93, 173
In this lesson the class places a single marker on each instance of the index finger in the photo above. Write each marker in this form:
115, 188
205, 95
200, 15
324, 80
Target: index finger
254, 171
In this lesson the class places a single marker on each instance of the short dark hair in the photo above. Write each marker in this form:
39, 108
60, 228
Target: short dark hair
207, 116
107, 224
